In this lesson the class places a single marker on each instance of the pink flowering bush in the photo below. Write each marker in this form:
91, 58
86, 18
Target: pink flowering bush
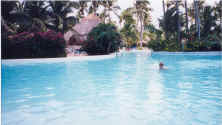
34, 45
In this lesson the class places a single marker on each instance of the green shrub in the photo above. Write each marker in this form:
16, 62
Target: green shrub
164, 45
103, 39
156, 45
203, 46
173, 45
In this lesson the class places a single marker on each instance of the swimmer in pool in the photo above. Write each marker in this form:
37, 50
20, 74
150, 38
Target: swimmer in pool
161, 66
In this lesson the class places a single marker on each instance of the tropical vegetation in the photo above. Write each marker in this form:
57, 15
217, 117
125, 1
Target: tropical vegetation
33, 45
128, 31
194, 26
103, 39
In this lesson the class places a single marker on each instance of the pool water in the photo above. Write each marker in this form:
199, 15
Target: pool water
125, 90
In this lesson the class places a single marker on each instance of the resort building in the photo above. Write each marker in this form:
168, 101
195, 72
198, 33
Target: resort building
78, 34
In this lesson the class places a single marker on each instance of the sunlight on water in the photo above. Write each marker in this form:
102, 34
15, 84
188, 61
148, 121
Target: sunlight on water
125, 90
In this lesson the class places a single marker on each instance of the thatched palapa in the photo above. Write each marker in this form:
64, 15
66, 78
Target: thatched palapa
78, 34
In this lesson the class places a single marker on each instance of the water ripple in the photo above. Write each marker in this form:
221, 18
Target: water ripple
127, 90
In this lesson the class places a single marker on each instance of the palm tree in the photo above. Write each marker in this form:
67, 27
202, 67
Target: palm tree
62, 8
7, 7
218, 11
83, 7
58, 11
171, 18
109, 7
22, 15
94, 6
191, 13
178, 22
208, 22
129, 28
220, 16
19, 18
187, 21
155, 33
164, 10
142, 12
197, 17
27, 13
127, 17
164, 15
36, 9
194, 12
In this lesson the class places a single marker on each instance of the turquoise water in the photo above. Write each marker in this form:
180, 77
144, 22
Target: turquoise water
126, 90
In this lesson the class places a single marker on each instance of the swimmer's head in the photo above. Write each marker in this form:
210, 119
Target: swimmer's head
161, 64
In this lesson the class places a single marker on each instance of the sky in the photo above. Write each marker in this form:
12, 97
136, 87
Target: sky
156, 5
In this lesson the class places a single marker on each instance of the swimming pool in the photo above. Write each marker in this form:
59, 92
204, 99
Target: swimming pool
125, 90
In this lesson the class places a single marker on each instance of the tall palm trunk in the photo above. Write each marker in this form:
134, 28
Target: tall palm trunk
187, 23
178, 22
141, 8
109, 16
221, 16
141, 30
164, 11
198, 21
104, 18
195, 13
137, 26
164, 18
197, 17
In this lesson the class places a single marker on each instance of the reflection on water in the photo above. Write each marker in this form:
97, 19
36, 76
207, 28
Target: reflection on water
124, 90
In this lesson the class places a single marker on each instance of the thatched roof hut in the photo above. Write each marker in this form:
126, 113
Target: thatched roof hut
78, 34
